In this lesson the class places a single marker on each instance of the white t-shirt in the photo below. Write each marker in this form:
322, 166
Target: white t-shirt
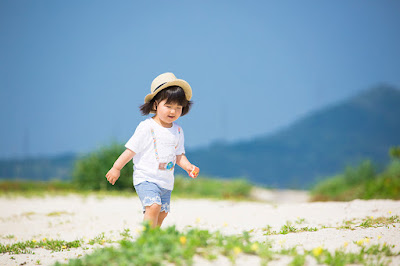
156, 148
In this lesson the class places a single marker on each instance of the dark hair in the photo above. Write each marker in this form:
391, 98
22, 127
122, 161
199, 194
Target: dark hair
173, 94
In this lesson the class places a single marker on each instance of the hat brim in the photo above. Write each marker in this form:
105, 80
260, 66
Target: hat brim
178, 82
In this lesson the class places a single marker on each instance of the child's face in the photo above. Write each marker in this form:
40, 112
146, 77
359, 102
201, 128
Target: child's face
168, 112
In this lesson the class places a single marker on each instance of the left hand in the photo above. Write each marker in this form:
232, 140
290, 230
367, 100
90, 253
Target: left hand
193, 171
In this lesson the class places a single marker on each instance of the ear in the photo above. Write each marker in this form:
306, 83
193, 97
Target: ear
155, 105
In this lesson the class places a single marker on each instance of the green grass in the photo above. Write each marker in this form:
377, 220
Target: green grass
372, 222
368, 255
203, 187
126, 234
185, 187
289, 227
35, 188
54, 245
367, 222
361, 182
25, 247
157, 246
164, 246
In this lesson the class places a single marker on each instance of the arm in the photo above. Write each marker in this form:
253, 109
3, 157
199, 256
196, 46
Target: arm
184, 163
115, 171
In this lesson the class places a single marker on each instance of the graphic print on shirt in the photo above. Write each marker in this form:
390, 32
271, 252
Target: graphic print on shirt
164, 150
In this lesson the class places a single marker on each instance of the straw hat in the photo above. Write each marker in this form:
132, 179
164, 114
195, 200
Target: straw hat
167, 80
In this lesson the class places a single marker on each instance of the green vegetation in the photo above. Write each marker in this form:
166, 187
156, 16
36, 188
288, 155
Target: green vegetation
156, 246
288, 228
372, 255
361, 182
367, 222
29, 188
88, 175
25, 247
185, 187
33, 186
394, 152
371, 222
163, 246
89, 171
211, 188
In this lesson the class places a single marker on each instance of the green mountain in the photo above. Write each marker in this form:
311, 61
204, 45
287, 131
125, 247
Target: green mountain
319, 145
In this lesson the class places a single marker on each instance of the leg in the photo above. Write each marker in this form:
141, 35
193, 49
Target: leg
152, 213
165, 205
161, 218
149, 194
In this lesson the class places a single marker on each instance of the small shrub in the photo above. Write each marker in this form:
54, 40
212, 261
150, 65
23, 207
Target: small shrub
90, 170
364, 172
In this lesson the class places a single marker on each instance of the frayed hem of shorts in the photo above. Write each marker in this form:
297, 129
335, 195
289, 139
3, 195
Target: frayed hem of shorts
165, 207
148, 201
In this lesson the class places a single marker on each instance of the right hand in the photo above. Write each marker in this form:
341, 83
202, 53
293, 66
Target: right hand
113, 175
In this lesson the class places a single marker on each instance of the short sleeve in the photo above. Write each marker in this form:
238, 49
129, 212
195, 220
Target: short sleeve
138, 140
181, 142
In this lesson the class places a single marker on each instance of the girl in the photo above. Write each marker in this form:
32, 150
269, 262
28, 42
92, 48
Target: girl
156, 146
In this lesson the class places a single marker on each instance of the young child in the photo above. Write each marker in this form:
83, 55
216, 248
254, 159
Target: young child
156, 146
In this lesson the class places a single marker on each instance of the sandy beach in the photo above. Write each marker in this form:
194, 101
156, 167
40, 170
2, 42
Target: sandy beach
75, 217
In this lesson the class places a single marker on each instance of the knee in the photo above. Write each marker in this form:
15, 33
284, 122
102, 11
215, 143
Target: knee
153, 209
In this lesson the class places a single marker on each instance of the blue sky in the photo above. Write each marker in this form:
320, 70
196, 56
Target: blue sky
73, 73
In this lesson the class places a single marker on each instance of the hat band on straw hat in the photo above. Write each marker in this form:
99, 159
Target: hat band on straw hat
159, 86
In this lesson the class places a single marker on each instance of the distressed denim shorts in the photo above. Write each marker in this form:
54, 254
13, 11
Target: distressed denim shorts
150, 193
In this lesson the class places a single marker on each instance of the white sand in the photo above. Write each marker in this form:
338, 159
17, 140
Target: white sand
76, 217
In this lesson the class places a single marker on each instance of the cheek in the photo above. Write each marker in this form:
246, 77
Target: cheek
163, 110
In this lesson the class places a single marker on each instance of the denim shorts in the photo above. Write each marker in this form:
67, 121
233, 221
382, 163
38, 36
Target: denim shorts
150, 193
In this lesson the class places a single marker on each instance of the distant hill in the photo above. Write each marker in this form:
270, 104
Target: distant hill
44, 168
320, 144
